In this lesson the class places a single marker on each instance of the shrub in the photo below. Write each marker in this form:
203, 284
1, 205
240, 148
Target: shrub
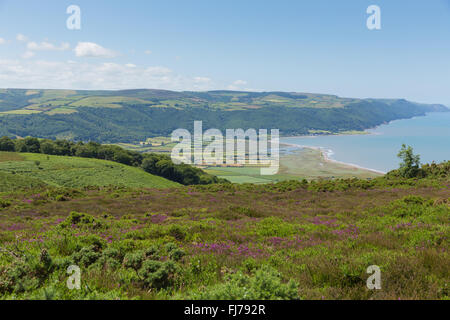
174, 252
157, 274
275, 227
110, 258
177, 232
5, 203
86, 256
81, 220
265, 284
134, 260
410, 206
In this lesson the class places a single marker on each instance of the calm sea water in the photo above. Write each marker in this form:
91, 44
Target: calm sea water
428, 135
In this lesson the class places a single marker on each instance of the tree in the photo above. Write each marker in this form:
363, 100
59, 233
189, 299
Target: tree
48, 147
410, 165
6, 144
123, 157
33, 145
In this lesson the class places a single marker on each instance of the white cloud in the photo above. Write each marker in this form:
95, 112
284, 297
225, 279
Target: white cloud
85, 75
161, 71
202, 80
240, 83
130, 65
28, 55
21, 37
237, 85
2, 41
148, 52
93, 50
47, 46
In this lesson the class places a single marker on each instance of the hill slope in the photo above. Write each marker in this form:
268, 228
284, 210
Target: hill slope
33, 170
291, 240
134, 115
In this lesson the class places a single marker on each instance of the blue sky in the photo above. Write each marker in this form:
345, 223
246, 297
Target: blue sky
290, 45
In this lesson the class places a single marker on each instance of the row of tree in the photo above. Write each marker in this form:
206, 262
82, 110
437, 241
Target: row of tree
157, 164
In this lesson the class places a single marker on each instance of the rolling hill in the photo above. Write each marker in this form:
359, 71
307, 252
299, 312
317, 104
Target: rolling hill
28, 170
135, 115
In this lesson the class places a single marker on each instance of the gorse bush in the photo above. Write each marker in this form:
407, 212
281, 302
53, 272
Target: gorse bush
158, 274
4, 203
81, 220
26, 273
410, 206
265, 284
87, 256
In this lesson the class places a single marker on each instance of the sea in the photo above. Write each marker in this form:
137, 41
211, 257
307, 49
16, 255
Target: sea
429, 136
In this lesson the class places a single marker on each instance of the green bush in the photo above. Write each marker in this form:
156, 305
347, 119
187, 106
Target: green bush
111, 258
410, 206
134, 260
265, 284
17, 278
86, 256
5, 203
275, 227
177, 232
81, 220
157, 274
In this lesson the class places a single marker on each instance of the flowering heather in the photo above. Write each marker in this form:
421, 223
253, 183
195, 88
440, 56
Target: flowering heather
317, 235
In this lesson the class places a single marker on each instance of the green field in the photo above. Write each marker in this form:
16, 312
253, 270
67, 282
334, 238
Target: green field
25, 170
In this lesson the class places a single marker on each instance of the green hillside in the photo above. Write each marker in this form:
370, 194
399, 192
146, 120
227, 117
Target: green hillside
135, 115
33, 170
290, 240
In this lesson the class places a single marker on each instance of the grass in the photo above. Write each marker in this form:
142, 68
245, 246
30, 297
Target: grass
106, 102
75, 172
21, 112
10, 156
61, 111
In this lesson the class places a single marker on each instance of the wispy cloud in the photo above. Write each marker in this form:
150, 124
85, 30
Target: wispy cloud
237, 85
93, 50
28, 55
47, 46
85, 75
20, 37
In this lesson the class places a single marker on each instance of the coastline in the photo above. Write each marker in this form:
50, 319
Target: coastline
326, 153
326, 156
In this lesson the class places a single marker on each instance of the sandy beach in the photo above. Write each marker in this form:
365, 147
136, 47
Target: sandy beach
326, 153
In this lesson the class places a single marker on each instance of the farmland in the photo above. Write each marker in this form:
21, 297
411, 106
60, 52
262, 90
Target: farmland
132, 116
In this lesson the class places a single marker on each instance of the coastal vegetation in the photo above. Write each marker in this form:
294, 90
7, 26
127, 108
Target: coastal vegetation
288, 240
